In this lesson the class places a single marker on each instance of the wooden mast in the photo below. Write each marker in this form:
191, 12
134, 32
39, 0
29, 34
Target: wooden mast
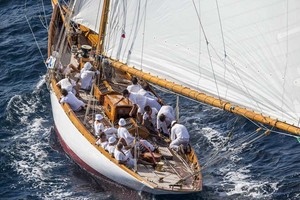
102, 28
206, 98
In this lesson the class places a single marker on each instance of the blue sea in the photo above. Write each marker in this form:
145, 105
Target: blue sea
34, 166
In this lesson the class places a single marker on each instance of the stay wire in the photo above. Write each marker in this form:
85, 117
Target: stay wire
228, 153
36, 42
144, 32
229, 136
45, 18
207, 46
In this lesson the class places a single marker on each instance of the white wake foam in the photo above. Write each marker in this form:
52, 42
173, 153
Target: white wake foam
30, 147
237, 179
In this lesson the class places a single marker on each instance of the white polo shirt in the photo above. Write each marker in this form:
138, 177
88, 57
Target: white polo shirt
153, 116
123, 133
147, 94
134, 88
170, 116
67, 84
121, 157
73, 102
110, 148
86, 77
139, 100
179, 131
98, 127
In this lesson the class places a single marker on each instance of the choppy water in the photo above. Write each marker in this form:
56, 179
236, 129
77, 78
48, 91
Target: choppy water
33, 165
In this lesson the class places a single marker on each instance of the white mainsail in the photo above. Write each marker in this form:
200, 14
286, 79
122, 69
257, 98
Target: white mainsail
245, 52
88, 13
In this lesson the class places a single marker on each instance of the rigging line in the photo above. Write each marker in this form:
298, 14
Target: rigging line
212, 156
37, 44
110, 26
63, 42
144, 32
287, 51
45, 18
136, 16
241, 147
199, 53
98, 12
137, 27
247, 93
285, 134
244, 85
221, 28
42, 22
121, 39
227, 154
224, 48
207, 46
200, 22
256, 124
242, 140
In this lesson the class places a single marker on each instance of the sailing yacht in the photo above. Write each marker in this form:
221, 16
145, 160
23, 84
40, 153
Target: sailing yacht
241, 57
76, 51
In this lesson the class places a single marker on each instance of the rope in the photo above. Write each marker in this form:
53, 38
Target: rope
213, 161
207, 46
229, 136
123, 32
242, 146
143, 43
199, 53
135, 32
45, 18
177, 108
153, 158
221, 28
36, 42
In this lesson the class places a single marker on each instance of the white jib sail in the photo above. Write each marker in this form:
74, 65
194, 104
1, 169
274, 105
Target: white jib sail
88, 13
245, 52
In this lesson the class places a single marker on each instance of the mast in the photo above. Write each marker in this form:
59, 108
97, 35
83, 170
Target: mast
102, 27
207, 99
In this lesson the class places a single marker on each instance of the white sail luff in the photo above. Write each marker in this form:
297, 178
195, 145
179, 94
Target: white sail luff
88, 13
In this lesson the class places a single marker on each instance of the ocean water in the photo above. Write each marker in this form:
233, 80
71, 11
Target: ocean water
33, 165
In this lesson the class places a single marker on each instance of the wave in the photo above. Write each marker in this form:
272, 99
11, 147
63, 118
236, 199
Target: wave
235, 178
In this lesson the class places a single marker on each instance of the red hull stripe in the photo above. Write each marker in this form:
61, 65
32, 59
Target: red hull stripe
71, 153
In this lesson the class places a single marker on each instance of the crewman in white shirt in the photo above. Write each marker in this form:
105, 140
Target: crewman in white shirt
150, 119
121, 157
125, 137
179, 135
102, 141
74, 103
112, 141
164, 118
68, 84
86, 76
135, 86
98, 126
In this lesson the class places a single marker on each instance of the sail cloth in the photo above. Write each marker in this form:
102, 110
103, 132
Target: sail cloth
245, 52
88, 13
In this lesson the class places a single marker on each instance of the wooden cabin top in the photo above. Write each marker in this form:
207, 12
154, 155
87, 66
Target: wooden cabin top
114, 98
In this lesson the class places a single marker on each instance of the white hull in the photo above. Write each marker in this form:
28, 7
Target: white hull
88, 157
